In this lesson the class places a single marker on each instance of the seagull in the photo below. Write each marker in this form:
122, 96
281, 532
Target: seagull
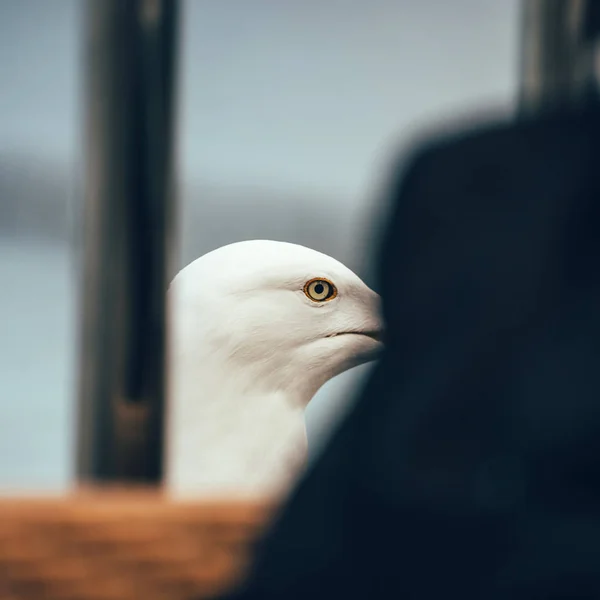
256, 328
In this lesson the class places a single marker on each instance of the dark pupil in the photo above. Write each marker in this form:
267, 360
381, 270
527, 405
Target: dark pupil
319, 289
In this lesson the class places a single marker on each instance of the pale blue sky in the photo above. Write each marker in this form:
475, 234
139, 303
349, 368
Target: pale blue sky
286, 93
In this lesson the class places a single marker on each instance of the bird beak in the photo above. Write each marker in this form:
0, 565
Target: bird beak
378, 335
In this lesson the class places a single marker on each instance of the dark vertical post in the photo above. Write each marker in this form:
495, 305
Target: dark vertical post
556, 54
129, 229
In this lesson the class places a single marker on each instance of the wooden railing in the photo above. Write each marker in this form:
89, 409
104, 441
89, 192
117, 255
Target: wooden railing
118, 545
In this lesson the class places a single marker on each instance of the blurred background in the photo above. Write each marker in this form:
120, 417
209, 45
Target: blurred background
289, 113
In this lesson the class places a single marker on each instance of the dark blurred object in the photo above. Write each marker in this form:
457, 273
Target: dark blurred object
559, 43
469, 467
128, 236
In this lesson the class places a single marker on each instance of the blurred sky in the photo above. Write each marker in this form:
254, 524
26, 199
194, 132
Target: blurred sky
305, 93
308, 95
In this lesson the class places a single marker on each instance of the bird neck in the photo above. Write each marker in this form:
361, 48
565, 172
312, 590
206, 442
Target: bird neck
229, 434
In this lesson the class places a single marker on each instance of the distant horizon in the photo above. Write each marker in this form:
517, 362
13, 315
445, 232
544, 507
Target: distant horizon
49, 203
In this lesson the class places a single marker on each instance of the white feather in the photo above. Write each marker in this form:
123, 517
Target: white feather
248, 350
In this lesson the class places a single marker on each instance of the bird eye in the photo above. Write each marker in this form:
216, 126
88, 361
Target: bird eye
320, 290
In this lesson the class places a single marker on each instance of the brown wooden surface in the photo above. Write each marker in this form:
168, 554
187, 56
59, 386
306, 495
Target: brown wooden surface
121, 545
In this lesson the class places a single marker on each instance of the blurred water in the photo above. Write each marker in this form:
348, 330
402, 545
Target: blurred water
37, 353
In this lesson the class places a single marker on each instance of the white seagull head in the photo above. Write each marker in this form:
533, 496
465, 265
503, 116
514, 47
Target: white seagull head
279, 315
256, 328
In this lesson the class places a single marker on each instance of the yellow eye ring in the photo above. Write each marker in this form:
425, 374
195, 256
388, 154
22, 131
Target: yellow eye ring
320, 289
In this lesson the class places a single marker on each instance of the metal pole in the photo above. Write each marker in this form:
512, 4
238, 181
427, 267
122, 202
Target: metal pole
129, 228
557, 54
